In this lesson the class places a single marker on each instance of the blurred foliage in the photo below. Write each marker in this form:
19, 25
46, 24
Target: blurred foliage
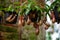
7, 29
25, 7
27, 34
4, 3
22, 9
9, 33
54, 4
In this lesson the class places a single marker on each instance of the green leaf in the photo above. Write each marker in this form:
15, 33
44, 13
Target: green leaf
27, 11
58, 9
29, 5
10, 7
37, 7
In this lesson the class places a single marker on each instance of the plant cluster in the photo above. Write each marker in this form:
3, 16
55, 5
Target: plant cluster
30, 12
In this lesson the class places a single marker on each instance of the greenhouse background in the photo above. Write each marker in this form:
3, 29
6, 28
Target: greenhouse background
16, 23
